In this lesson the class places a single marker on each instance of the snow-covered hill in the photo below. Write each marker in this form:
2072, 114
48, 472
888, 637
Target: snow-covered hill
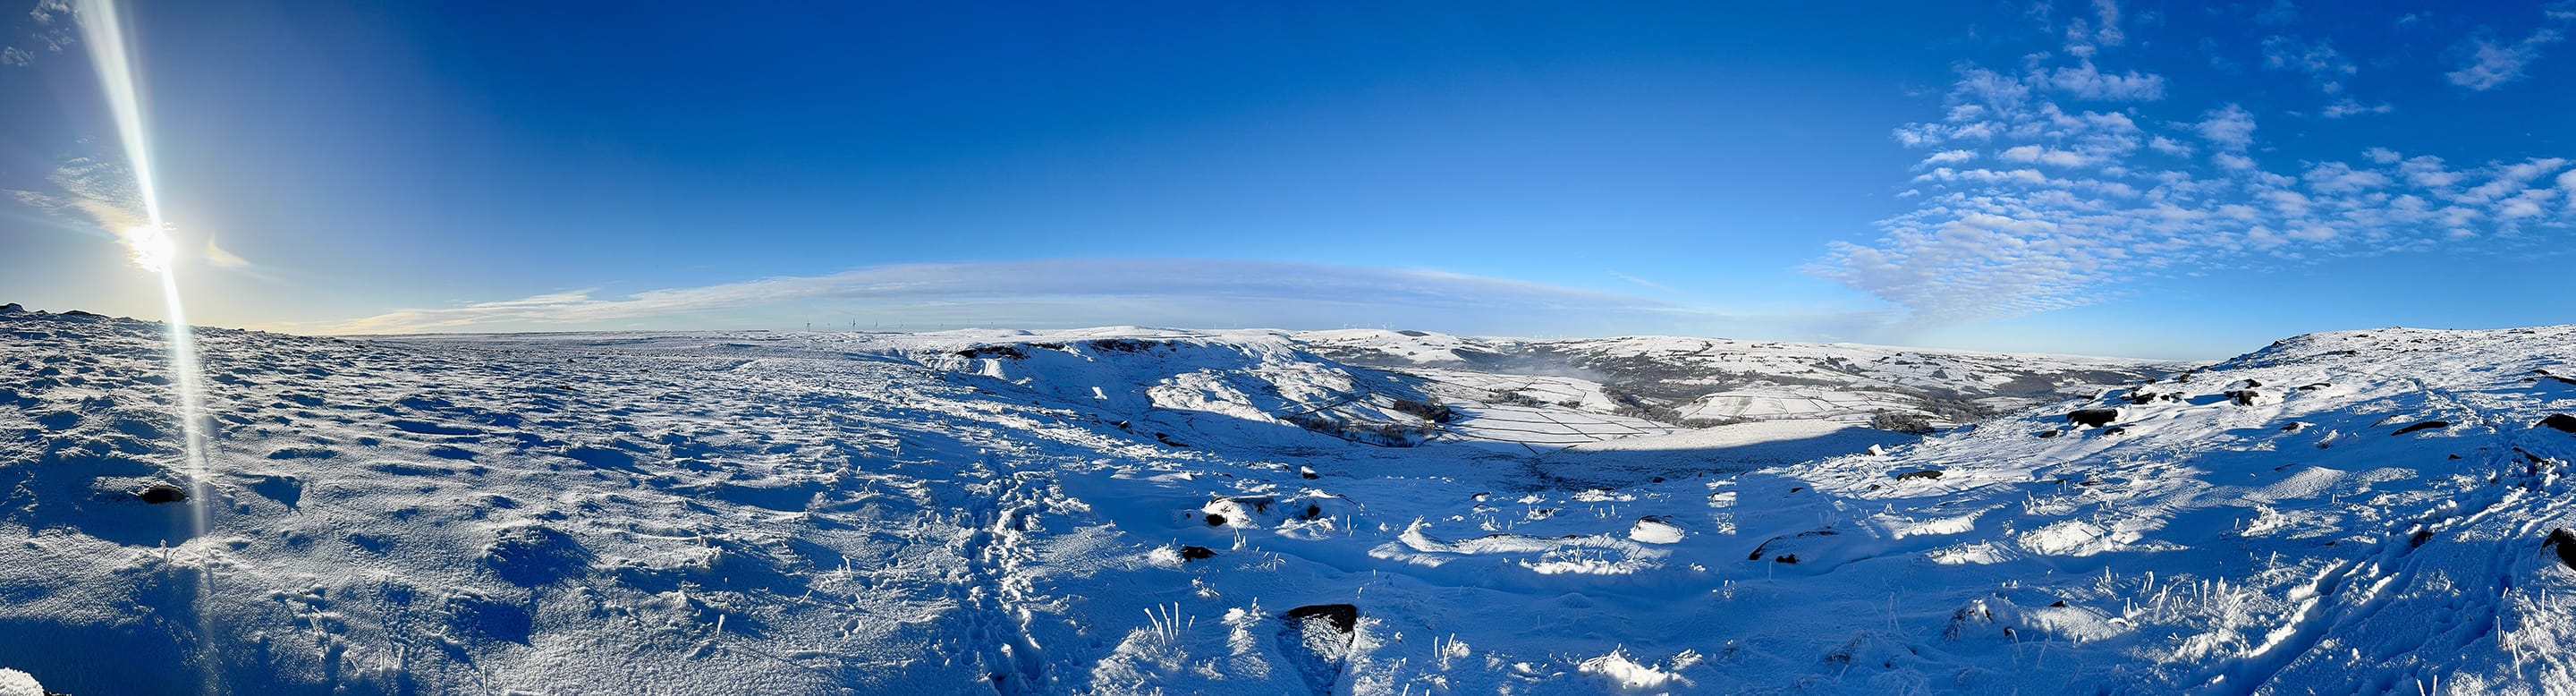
1700, 381
1138, 511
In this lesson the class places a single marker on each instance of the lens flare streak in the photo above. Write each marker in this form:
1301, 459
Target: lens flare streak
110, 48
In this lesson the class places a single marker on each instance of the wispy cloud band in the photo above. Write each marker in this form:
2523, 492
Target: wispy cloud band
1085, 292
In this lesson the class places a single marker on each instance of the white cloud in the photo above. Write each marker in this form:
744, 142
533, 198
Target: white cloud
98, 196
1093, 292
54, 30
2047, 155
2109, 12
2083, 39
2488, 65
2229, 127
2350, 107
2086, 82
2340, 178
2292, 53
2428, 172
2508, 178
2090, 213
1949, 157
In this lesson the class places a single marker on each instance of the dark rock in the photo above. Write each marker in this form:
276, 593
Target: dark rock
1012, 352
1427, 410
1197, 553
2565, 543
1908, 423
2314, 387
1923, 474
2048, 433
1790, 558
2094, 417
1343, 618
159, 493
1124, 345
11, 308
2245, 397
2419, 538
2426, 425
2293, 426
1316, 640
2563, 422
1215, 520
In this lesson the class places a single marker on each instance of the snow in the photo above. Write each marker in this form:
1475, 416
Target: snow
1137, 510
1715, 380
16, 683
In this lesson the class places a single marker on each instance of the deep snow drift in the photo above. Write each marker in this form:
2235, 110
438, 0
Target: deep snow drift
1137, 511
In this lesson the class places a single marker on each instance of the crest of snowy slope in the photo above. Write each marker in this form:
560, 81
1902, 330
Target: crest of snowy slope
1712, 380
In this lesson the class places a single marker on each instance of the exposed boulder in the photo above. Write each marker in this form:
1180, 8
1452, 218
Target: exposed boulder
2562, 422
993, 352
2565, 543
2093, 417
1317, 639
2426, 425
160, 492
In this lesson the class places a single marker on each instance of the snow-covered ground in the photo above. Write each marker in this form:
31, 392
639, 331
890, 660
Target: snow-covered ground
1696, 381
1134, 510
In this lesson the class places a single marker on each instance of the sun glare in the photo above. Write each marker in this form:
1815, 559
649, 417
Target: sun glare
151, 246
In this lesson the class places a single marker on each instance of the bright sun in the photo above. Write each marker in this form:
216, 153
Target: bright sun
151, 246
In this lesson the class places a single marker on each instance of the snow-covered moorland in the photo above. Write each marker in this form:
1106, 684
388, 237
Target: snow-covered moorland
1137, 511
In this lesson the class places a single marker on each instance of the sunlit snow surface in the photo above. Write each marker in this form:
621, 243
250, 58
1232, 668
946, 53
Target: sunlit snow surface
970, 512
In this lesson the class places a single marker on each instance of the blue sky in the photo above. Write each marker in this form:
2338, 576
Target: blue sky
2123, 178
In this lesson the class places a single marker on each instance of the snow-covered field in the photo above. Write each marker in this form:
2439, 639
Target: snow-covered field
1134, 510
1715, 380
